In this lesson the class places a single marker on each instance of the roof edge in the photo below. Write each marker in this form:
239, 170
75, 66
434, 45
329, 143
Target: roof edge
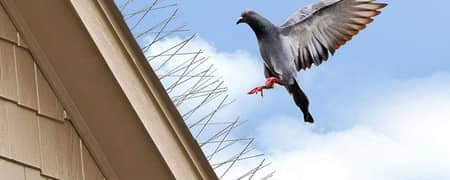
136, 80
153, 83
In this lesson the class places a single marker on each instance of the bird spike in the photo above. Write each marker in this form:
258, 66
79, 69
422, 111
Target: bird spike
199, 94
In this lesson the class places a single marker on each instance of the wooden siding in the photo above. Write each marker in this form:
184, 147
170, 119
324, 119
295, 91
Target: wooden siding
36, 141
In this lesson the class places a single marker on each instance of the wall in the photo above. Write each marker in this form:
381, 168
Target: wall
37, 140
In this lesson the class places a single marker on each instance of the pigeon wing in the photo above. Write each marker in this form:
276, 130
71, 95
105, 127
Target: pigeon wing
319, 29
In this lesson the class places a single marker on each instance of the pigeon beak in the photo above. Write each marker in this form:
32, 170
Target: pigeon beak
240, 20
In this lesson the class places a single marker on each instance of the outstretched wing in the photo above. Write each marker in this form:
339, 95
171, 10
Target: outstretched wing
319, 29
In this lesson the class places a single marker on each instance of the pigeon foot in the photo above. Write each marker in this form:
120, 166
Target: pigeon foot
270, 82
256, 90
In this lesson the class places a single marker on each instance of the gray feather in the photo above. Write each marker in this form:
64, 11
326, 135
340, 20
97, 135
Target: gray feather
325, 26
307, 38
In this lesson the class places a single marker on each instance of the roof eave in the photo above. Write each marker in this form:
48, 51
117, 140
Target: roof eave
116, 101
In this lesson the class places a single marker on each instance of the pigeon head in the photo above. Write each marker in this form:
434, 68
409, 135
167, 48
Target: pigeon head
259, 24
247, 16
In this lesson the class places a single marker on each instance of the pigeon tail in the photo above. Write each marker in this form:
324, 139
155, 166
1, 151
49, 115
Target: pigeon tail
300, 100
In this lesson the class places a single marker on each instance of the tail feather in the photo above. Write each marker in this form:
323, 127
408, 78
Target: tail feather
301, 101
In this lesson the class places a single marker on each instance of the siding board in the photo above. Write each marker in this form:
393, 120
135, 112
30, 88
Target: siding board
8, 72
5, 143
65, 149
11, 171
26, 78
24, 136
33, 174
52, 145
48, 104
72, 168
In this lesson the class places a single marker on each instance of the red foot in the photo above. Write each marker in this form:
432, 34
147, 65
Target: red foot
271, 81
256, 90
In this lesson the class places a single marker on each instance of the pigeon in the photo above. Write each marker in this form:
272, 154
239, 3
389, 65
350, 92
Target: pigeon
308, 37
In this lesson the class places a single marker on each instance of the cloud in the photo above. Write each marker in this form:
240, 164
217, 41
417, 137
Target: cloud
402, 134
240, 71
236, 68
398, 132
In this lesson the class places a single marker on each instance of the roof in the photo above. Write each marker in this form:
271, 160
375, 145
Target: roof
115, 100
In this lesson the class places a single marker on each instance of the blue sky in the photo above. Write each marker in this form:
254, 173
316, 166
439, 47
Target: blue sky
408, 40
381, 104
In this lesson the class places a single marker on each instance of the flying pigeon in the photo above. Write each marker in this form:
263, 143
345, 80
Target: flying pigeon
308, 37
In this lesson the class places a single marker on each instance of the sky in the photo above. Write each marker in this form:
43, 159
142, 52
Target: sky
406, 41
381, 104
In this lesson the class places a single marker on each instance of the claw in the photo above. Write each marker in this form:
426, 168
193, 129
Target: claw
269, 85
271, 81
256, 90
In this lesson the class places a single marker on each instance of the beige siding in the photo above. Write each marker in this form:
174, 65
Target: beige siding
11, 171
33, 174
72, 168
5, 144
26, 72
8, 76
24, 134
48, 103
36, 141
51, 146
61, 153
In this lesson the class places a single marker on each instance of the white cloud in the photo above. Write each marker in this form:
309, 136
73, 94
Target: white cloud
239, 69
241, 72
401, 135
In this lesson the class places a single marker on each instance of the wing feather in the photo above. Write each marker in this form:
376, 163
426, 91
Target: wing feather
319, 29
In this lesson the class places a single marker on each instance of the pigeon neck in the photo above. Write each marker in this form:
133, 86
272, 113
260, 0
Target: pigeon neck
261, 27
